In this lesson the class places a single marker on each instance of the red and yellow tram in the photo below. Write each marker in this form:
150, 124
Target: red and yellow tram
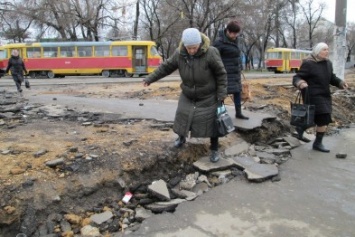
282, 60
111, 58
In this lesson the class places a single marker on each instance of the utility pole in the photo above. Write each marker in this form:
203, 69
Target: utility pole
339, 48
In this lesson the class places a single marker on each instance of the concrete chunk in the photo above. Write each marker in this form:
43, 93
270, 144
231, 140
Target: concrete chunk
142, 214
243, 162
159, 207
294, 142
101, 217
160, 189
261, 172
237, 149
255, 120
204, 164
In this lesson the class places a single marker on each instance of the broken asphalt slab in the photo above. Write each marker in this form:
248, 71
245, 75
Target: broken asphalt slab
315, 197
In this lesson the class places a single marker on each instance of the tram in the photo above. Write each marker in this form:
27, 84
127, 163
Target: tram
60, 59
280, 60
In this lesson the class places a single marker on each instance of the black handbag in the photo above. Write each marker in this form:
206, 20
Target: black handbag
224, 122
27, 83
302, 114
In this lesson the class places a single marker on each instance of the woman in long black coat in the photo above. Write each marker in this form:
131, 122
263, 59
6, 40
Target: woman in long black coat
227, 45
316, 74
204, 83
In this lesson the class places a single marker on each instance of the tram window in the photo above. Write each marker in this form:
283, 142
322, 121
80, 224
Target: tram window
67, 51
274, 55
119, 51
50, 52
154, 51
295, 55
84, 51
3, 54
139, 54
102, 51
34, 52
303, 55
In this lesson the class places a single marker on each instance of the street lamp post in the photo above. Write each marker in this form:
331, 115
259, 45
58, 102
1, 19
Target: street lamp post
340, 38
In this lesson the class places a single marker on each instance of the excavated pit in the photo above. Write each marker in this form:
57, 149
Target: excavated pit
59, 172
92, 177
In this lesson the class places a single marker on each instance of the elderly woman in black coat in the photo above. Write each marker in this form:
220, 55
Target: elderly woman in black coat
316, 74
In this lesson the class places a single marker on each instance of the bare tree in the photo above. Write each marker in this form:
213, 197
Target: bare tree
161, 23
15, 27
265, 23
313, 13
290, 18
206, 14
16, 30
258, 25
54, 14
277, 8
350, 39
89, 16
71, 19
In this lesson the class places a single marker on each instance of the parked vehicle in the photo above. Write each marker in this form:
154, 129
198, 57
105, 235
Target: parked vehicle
282, 60
59, 59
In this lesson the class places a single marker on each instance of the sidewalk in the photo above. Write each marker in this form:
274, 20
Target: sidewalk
315, 198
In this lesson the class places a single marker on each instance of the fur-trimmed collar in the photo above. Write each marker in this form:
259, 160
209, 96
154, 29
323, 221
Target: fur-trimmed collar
315, 59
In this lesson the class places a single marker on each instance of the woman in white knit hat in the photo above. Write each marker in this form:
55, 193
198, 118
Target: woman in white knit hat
204, 83
316, 74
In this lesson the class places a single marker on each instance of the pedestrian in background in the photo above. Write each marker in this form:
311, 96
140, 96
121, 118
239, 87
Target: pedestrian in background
227, 44
17, 68
203, 85
316, 74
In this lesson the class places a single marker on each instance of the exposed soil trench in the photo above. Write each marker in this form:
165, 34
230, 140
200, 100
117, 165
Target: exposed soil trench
57, 172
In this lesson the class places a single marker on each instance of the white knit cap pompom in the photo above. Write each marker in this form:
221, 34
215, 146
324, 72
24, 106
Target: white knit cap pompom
191, 36
318, 48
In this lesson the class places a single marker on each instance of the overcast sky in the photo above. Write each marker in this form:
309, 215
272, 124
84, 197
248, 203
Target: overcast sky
329, 12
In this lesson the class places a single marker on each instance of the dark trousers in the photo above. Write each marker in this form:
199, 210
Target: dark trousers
214, 143
237, 100
18, 79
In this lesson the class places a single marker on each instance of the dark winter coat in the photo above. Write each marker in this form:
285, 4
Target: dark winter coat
204, 81
318, 75
231, 57
16, 66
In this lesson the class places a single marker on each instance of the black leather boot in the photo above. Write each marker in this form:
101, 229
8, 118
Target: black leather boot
300, 136
238, 113
317, 145
179, 141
